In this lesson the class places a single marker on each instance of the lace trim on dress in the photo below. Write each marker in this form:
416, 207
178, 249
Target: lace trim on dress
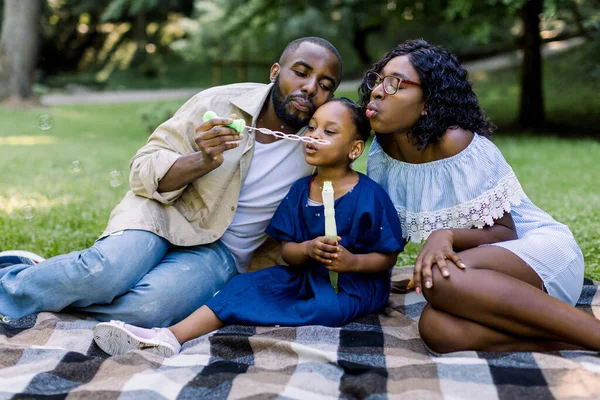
477, 213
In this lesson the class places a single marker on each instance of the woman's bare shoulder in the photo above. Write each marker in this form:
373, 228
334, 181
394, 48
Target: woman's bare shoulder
454, 141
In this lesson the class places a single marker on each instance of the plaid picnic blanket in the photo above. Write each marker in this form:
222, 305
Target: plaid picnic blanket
377, 357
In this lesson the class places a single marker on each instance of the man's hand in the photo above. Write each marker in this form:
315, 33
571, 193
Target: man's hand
214, 137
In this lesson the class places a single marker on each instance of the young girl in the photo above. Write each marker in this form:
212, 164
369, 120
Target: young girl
512, 283
368, 244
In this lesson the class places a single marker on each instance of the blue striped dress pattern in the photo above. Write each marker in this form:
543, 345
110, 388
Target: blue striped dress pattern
470, 190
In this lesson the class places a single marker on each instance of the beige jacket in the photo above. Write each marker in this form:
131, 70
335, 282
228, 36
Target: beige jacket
200, 212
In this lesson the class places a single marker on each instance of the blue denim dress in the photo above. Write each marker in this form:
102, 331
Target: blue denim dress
291, 296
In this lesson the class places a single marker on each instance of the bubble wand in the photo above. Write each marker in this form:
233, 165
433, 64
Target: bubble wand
240, 124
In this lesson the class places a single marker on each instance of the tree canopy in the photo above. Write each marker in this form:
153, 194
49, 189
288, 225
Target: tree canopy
100, 36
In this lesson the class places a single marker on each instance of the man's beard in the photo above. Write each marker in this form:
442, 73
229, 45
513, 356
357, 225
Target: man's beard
281, 103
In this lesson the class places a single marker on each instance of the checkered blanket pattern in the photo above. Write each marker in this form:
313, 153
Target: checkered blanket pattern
377, 357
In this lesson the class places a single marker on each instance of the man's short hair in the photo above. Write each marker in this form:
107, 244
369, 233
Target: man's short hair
294, 44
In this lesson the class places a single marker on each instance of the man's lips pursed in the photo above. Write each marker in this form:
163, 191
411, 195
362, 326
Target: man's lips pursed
304, 106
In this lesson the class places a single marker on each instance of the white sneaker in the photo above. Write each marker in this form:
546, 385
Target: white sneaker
36, 259
115, 339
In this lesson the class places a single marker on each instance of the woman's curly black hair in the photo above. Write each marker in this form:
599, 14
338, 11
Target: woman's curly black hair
363, 126
449, 97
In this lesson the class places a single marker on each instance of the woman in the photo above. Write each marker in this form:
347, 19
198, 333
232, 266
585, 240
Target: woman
509, 285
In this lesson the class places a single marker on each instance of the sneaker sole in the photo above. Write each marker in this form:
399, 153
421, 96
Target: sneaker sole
116, 341
24, 254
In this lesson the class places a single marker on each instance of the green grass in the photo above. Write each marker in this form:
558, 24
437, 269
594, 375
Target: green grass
177, 74
71, 209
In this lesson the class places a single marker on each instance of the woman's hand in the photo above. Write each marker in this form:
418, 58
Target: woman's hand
437, 248
322, 249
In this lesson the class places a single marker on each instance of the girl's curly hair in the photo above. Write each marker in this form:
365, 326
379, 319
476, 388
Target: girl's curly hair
449, 97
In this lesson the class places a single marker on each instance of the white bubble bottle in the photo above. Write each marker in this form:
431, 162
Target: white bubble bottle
330, 227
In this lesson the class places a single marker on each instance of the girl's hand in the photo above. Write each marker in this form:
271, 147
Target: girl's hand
345, 261
322, 249
437, 248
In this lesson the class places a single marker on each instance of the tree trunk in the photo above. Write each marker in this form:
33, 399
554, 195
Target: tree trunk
19, 42
359, 42
139, 32
531, 115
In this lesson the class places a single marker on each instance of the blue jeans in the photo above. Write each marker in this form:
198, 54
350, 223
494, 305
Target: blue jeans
134, 276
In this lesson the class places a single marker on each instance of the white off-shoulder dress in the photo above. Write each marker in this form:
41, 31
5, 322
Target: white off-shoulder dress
470, 190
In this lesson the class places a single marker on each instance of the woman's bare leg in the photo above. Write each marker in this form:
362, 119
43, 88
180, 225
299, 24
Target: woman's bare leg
500, 293
445, 333
198, 323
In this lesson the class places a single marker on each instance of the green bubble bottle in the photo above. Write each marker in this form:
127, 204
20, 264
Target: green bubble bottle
237, 124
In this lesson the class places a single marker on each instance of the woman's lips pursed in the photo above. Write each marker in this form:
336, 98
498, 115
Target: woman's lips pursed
371, 111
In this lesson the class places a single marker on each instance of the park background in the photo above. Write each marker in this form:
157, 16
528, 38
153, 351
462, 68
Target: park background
84, 82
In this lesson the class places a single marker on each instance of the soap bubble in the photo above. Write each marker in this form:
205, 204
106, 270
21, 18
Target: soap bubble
76, 167
45, 122
28, 211
114, 179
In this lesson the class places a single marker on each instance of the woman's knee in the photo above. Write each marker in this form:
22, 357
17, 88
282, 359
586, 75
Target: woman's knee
444, 288
439, 333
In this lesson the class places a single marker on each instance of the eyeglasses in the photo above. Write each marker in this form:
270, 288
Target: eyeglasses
391, 83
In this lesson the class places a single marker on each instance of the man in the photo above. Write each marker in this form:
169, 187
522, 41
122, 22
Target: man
201, 196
